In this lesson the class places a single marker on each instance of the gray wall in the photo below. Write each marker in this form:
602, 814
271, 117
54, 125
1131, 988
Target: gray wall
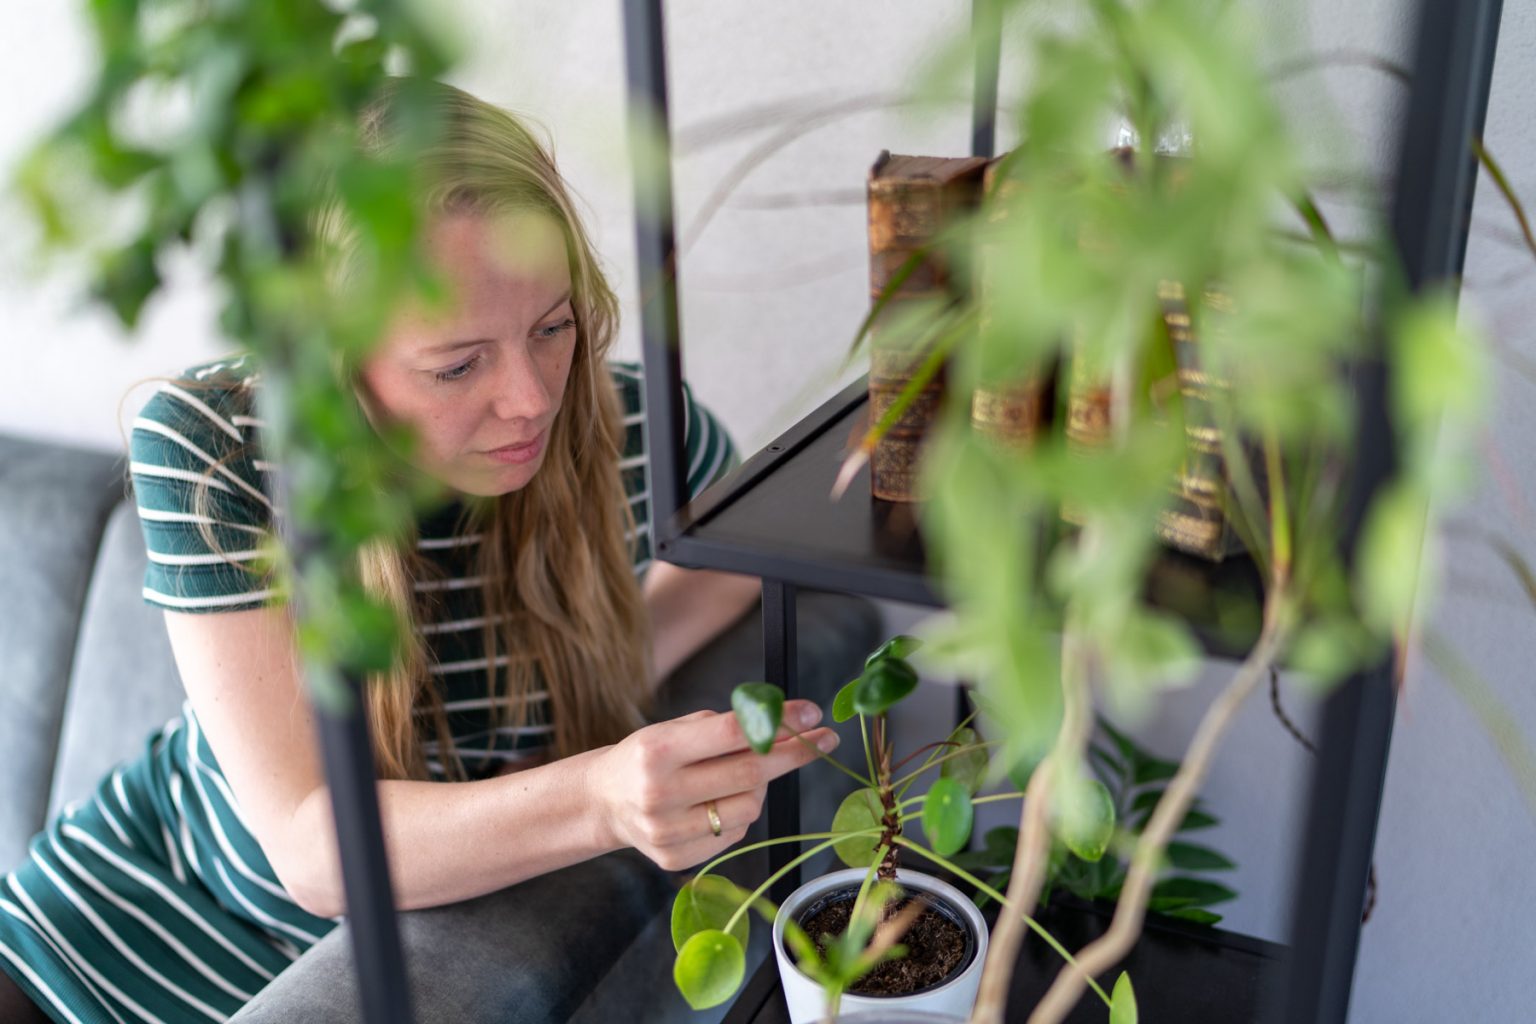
774, 287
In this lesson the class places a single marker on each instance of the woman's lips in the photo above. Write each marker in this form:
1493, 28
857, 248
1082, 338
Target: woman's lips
513, 454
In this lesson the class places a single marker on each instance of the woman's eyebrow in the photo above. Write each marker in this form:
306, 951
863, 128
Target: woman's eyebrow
449, 346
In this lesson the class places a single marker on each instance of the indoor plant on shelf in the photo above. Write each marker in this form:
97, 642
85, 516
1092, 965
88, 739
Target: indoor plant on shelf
877, 937
1051, 619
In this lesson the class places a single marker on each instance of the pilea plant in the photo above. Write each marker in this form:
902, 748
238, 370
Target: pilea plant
710, 914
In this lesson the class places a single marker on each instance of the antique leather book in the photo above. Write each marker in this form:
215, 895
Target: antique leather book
912, 201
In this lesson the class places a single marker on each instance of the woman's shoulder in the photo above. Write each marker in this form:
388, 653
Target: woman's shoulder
212, 405
201, 426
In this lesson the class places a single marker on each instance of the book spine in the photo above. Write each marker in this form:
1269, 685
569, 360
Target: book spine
905, 217
1195, 520
1010, 412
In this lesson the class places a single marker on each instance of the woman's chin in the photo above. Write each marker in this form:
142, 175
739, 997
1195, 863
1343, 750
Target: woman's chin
492, 481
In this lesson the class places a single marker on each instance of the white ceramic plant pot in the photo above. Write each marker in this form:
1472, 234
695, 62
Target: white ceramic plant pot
954, 998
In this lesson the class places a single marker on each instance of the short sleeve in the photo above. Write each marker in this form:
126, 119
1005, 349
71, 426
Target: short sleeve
711, 453
206, 519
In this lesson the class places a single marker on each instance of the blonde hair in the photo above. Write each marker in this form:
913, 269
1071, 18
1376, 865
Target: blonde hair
561, 603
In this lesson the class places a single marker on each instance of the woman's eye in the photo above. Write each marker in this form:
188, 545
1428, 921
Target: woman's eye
554, 329
458, 372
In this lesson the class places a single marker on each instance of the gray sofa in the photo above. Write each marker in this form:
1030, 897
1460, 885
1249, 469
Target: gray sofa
86, 671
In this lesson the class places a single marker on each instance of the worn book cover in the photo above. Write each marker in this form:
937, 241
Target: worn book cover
912, 201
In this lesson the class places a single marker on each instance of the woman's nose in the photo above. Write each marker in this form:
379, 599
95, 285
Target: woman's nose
519, 389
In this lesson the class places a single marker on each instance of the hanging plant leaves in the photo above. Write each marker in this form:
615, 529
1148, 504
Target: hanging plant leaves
947, 816
882, 685
859, 811
707, 903
759, 709
1085, 819
709, 969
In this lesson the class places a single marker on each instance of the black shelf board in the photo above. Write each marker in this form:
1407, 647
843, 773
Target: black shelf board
775, 518
1181, 971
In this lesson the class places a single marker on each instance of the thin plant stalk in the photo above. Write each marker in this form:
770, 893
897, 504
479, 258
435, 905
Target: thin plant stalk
902, 784
1034, 926
834, 762
1033, 849
1131, 909
763, 844
1102, 954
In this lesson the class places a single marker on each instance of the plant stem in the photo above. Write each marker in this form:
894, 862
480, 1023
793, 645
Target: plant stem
1034, 926
1108, 950
869, 761
1033, 849
967, 720
906, 780
891, 819
834, 762
927, 746
835, 836
796, 862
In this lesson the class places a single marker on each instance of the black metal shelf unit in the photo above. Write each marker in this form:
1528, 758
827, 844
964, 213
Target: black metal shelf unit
774, 518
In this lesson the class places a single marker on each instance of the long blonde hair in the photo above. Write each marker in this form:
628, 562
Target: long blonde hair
562, 606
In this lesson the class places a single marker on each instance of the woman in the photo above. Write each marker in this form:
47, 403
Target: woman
200, 881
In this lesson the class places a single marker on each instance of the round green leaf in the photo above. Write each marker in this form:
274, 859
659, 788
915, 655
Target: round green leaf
759, 709
882, 685
1086, 817
709, 969
860, 810
707, 902
965, 768
1122, 1002
842, 704
901, 647
947, 816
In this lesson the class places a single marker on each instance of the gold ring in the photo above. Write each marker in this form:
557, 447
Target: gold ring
714, 816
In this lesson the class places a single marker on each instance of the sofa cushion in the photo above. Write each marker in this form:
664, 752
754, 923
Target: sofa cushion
54, 503
124, 684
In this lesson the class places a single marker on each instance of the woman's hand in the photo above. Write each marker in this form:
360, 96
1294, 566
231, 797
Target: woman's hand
655, 784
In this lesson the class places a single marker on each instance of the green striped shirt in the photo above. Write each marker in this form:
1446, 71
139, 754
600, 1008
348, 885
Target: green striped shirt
150, 901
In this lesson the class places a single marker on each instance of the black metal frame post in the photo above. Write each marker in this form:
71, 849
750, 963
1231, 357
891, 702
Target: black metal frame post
651, 158
346, 752
375, 933
986, 35
781, 666
1431, 213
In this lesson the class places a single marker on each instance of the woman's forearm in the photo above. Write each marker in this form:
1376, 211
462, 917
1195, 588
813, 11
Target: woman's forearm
689, 608
449, 842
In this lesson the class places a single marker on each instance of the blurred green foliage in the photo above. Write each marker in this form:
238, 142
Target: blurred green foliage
1080, 242
222, 126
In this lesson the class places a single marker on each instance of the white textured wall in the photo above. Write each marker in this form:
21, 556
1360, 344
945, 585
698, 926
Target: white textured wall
774, 287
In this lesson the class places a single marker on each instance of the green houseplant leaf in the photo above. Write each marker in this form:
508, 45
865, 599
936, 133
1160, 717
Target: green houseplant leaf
899, 647
1085, 819
859, 811
707, 903
947, 816
1122, 1002
842, 704
759, 709
1192, 857
968, 768
709, 968
883, 684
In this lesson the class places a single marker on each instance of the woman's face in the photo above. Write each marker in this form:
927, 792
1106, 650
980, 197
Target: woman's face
480, 380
